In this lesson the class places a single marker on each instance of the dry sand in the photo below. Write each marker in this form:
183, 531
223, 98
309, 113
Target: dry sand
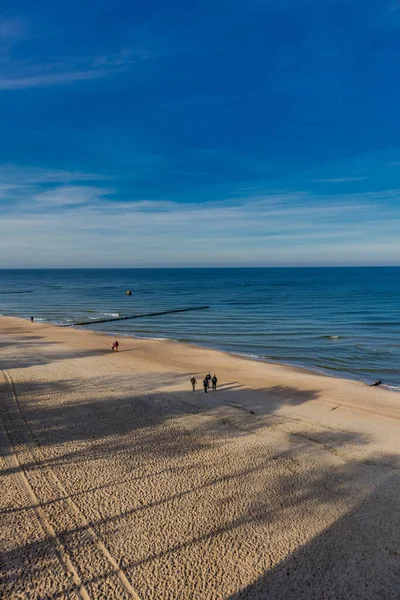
117, 481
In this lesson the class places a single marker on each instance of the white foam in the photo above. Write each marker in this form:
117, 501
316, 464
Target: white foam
161, 339
395, 388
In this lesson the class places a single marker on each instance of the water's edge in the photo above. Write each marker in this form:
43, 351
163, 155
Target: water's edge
342, 322
251, 357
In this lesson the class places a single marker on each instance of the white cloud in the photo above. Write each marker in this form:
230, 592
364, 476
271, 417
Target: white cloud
19, 74
340, 179
15, 175
80, 224
45, 80
70, 195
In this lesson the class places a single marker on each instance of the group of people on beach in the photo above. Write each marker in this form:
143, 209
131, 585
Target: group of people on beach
206, 382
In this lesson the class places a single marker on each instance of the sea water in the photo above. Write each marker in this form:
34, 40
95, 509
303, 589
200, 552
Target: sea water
343, 321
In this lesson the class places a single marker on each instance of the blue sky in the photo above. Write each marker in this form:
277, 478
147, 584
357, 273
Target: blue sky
213, 133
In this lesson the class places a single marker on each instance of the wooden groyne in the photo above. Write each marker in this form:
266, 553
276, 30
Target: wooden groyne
154, 314
19, 292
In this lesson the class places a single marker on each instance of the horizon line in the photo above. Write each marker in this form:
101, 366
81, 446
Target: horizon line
384, 266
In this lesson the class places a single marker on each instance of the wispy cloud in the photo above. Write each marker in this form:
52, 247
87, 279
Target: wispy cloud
18, 73
73, 220
123, 58
15, 175
11, 30
340, 179
19, 83
26, 188
70, 196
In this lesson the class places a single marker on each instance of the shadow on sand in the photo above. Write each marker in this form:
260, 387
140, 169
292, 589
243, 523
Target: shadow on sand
310, 528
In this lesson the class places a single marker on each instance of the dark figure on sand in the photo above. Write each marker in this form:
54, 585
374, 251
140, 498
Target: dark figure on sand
379, 382
31, 319
193, 382
114, 346
214, 381
205, 383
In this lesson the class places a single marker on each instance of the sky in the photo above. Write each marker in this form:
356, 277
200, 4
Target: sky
212, 133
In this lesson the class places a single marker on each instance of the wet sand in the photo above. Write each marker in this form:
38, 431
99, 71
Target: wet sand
117, 481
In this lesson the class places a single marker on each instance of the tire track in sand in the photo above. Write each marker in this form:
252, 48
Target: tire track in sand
13, 464
75, 519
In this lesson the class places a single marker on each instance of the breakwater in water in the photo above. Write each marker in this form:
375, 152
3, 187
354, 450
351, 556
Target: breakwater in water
343, 321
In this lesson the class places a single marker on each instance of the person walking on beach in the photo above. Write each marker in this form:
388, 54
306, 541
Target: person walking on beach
31, 319
208, 377
116, 345
113, 347
205, 383
193, 382
214, 381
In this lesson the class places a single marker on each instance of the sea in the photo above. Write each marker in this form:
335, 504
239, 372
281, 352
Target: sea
339, 321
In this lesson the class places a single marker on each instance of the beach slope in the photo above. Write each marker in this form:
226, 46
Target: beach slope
118, 481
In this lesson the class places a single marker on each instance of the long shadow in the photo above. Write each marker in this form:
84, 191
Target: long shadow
25, 357
128, 350
126, 409
278, 520
39, 555
357, 557
230, 387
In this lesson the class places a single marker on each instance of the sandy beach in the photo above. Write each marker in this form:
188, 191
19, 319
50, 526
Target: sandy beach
118, 481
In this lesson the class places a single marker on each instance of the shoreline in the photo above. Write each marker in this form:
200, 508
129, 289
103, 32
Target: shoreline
319, 371
153, 348
114, 470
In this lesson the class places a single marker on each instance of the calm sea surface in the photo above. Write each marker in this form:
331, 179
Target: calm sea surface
343, 321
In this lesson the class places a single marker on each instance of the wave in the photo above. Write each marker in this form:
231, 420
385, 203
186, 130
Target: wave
278, 315
395, 388
100, 315
248, 355
153, 337
162, 339
370, 349
244, 303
